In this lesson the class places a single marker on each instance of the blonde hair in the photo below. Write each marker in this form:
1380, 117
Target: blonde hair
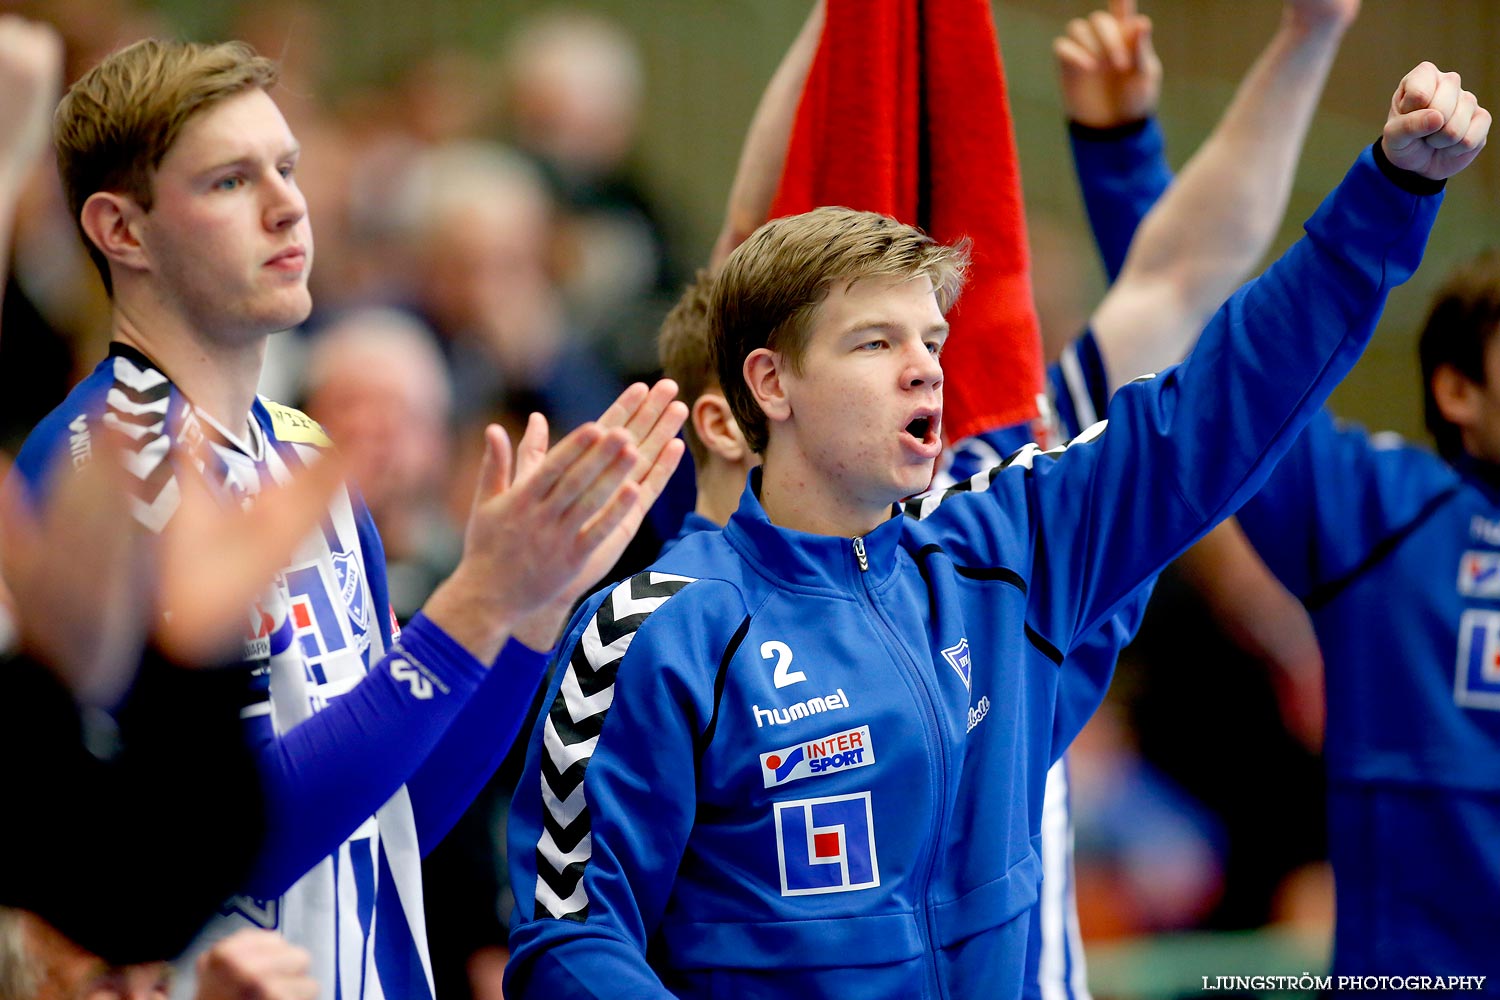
686, 355
772, 285
116, 124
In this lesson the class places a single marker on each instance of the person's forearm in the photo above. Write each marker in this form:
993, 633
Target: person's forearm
476, 743
764, 153
1202, 438
328, 774
1122, 172
1218, 218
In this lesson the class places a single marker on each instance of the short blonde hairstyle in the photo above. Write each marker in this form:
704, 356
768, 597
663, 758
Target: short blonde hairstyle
686, 355
116, 124
770, 288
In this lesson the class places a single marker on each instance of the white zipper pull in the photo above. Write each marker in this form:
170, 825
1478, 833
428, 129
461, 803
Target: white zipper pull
859, 553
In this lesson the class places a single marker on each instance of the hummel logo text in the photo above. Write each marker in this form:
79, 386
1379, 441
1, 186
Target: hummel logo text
800, 710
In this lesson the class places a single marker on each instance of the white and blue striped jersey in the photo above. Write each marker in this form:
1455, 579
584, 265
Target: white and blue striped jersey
369, 743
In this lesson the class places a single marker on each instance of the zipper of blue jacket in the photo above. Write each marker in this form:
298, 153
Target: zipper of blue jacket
940, 782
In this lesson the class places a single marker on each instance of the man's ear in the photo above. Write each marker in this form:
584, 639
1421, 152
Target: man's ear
714, 423
1456, 396
762, 371
113, 223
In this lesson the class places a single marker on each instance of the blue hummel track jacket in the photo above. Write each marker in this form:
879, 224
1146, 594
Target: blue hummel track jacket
1397, 556
786, 765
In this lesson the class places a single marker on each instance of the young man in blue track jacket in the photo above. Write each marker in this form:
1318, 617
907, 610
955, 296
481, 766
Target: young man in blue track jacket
1364, 529
1395, 552
768, 764
1214, 224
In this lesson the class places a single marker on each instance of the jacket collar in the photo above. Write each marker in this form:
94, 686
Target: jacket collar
802, 560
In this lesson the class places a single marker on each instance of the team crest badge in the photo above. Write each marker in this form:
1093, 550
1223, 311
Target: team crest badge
958, 658
351, 587
263, 913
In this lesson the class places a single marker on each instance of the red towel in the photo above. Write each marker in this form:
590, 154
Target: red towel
905, 113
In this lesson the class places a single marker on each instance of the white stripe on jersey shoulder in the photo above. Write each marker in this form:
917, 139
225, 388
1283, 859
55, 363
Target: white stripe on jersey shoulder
1078, 387
120, 402
155, 514
975, 452
136, 405
1022, 458
140, 379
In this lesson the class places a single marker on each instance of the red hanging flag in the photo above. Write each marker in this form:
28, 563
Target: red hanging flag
905, 113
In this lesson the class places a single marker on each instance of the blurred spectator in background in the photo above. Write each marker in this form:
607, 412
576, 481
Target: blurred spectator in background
376, 381
574, 86
1150, 858
482, 221
1204, 715
55, 310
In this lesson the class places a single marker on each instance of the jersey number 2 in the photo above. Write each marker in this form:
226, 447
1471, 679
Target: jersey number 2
784, 676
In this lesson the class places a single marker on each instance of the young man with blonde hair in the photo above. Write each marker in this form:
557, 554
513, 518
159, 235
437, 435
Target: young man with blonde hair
804, 756
369, 740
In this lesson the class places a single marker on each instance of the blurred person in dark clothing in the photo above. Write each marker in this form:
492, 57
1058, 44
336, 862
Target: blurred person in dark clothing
484, 222
575, 85
377, 382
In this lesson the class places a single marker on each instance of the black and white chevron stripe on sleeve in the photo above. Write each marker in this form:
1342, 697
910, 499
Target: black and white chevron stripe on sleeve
136, 409
571, 732
1022, 458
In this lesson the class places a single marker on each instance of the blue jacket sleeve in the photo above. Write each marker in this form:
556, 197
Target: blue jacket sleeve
1339, 499
1186, 449
325, 776
604, 807
476, 743
1122, 172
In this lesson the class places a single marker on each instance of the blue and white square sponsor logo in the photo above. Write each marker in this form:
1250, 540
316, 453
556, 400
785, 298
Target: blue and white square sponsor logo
825, 755
1477, 680
958, 658
826, 845
1479, 574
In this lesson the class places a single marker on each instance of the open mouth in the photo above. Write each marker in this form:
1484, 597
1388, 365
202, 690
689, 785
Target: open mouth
919, 428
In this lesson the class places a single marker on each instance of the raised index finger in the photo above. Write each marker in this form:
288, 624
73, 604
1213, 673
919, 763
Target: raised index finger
1122, 10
